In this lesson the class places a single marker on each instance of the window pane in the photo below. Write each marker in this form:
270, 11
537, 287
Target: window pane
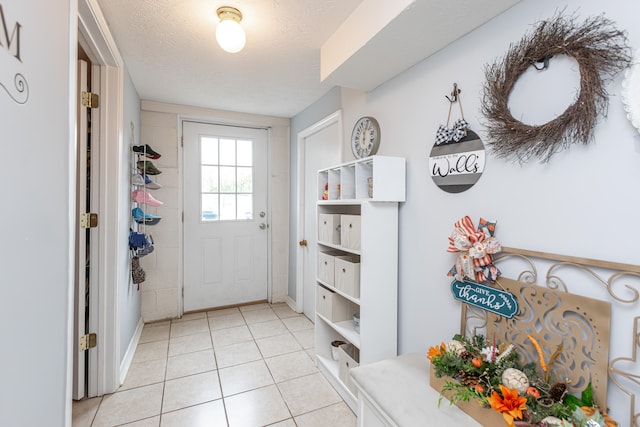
209, 179
245, 153
227, 206
209, 210
245, 206
209, 150
227, 179
245, 180
228, 152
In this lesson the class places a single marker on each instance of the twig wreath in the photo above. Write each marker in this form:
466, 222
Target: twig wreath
600, 50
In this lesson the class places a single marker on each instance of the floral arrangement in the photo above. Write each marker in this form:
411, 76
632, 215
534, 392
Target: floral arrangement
525, 394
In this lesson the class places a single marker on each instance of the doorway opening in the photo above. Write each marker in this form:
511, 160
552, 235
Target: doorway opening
86, 236
106, 268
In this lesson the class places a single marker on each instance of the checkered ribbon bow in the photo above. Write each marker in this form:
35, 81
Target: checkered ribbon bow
445, 135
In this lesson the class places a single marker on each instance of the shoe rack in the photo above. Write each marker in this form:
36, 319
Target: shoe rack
141, 200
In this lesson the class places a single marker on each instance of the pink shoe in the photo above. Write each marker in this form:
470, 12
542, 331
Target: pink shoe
144, 197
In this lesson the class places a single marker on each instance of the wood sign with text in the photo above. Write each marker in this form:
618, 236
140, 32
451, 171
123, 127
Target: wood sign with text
485, 297
11, 79
456, 167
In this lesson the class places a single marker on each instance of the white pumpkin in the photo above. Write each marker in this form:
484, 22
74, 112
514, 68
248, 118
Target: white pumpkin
552, 421
515, 379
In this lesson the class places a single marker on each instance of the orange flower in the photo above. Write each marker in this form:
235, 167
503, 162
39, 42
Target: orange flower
510, 405
532, 391
436, 351
476, 362
480, 388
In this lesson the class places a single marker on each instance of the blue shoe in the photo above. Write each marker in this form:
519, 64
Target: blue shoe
144, 218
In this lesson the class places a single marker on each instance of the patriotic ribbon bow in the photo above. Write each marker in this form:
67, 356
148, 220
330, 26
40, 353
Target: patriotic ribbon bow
458, 131
474, 248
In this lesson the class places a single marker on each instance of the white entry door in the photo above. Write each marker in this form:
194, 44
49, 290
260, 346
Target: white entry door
225, 215
320, 147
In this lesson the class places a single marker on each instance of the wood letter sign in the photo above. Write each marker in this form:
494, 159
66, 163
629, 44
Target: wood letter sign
485, 297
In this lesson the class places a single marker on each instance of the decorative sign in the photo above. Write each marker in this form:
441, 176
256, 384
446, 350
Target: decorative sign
500, 302
457, 166
12, 81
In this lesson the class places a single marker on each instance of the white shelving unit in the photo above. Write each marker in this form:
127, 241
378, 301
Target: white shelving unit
349, 194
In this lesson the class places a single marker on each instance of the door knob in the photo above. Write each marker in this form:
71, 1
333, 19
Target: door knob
262, 214
262, 226
302, 243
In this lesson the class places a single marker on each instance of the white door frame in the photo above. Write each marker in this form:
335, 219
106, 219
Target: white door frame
302, 136
95, 38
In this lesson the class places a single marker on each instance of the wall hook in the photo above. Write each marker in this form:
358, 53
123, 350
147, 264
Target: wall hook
454, 93
544, 61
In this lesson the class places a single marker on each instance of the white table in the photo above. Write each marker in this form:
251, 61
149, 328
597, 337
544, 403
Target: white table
396, 393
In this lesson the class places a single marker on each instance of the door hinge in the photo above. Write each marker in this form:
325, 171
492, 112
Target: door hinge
90, 100
88, 220
88, 341
182, 141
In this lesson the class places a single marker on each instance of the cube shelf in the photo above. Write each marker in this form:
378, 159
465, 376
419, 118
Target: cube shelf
357, 264
375, 178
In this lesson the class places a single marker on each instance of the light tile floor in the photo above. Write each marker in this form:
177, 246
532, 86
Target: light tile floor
240, 367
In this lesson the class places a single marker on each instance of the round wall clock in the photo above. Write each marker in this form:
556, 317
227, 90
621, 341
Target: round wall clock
365, 138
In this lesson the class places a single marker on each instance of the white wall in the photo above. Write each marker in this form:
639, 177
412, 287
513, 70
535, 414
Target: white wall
36, 235
161, 129
547, 207
583, 203
129, 304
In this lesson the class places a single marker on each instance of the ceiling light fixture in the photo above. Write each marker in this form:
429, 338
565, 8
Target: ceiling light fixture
229, 34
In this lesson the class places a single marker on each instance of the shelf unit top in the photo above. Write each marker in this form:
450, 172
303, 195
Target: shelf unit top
369, 159
384, 175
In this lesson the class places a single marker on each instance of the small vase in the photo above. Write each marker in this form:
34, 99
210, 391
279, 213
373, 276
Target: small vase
334, 348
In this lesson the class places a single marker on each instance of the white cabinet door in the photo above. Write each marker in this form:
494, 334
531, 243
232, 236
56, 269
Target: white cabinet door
225, 215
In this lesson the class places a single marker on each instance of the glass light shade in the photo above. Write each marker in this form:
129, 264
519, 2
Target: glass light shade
230, 36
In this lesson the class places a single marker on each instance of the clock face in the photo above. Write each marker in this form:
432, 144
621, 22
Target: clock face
365, 138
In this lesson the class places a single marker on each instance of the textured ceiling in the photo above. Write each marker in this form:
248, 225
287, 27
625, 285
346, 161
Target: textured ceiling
171, 54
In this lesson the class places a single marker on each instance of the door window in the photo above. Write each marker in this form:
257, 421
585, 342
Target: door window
226, 175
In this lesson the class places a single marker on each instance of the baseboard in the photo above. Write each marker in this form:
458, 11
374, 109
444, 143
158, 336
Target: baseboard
292, 304
131, 350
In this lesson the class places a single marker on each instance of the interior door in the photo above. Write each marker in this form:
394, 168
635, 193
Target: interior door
225, 215
85, 361
321, 150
